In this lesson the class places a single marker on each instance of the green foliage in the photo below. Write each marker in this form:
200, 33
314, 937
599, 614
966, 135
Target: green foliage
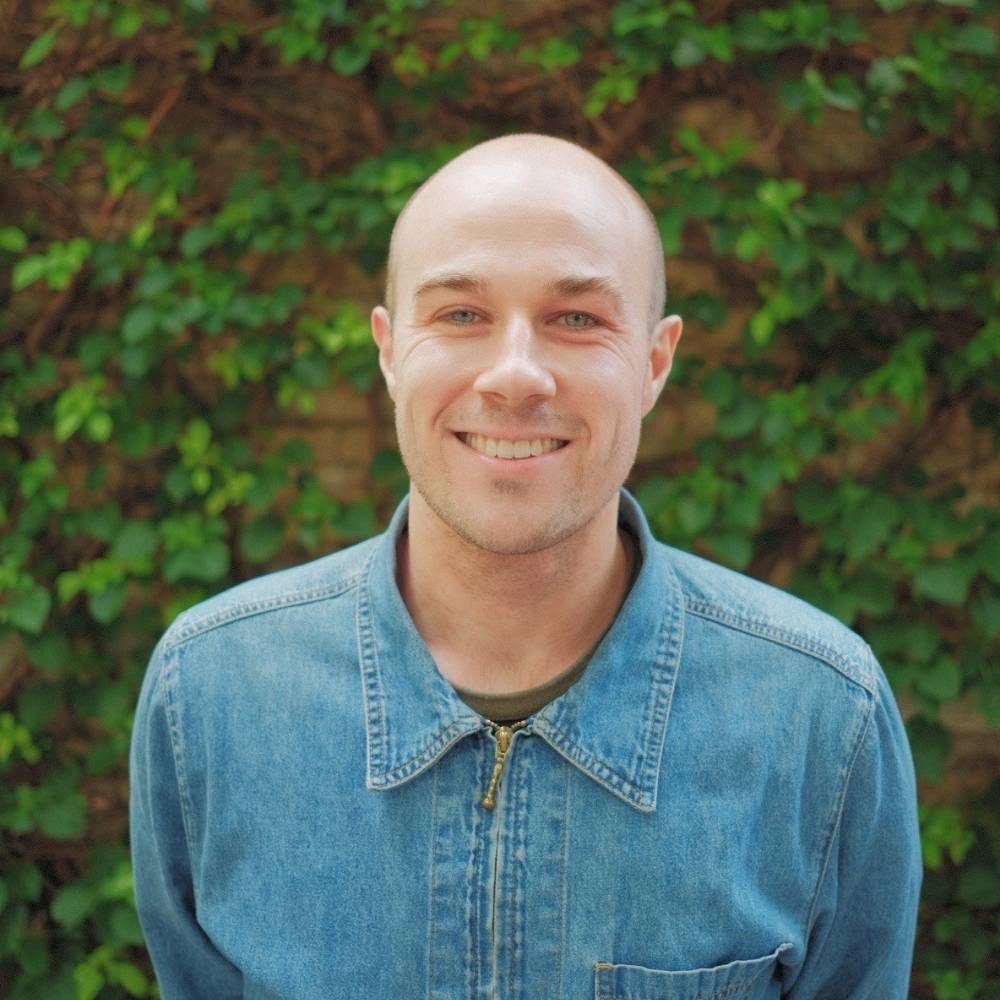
189, 255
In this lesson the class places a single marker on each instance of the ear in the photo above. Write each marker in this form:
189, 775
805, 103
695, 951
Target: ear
661, 358
382, 333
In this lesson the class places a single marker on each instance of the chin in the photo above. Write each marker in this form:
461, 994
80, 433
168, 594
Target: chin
510, 532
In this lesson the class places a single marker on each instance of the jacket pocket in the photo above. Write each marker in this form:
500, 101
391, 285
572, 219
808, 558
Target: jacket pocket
748, 980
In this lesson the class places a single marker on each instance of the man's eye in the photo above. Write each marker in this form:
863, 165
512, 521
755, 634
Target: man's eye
462, 316
578, 320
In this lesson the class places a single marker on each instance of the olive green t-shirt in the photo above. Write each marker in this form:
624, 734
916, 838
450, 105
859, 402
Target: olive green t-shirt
515, 706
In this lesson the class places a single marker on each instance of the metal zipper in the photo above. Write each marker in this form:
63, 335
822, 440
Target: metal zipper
503, 736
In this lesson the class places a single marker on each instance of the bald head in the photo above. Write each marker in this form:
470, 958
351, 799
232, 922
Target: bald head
526, 167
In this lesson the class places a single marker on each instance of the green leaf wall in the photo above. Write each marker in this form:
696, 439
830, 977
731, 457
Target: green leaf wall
195, 203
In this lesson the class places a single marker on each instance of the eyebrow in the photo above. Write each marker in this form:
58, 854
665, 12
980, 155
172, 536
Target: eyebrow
590, 286
460, 281
455, 281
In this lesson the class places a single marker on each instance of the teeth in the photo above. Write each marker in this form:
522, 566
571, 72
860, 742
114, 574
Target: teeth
504, 448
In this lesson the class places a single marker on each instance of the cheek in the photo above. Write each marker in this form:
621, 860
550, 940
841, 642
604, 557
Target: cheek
614, 386
426, 381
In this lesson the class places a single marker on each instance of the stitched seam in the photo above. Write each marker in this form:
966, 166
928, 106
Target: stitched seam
474, 898
182, 632
836, 817
564, 853
513, 886
793, 640
371, 683
169, 676
732, 990
671, 639
614, 782
431, 924
422, 758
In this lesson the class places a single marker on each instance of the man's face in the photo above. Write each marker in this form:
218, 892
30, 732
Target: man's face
520, 358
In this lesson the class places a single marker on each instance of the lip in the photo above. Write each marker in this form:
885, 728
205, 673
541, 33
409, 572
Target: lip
512, 464
508, 436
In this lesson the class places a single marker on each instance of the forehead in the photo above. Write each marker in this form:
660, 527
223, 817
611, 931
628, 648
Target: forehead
524, 223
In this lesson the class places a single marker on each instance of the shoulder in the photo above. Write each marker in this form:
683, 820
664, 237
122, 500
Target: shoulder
322, 580
758, 613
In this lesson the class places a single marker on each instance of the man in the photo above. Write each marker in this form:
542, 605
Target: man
515, 747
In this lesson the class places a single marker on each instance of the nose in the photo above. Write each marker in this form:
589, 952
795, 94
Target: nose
515, 369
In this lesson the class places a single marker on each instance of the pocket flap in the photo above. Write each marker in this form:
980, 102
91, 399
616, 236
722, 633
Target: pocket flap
634, 982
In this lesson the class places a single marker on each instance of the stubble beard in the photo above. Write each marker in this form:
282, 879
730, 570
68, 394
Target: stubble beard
572, 514
575, 511
539, 537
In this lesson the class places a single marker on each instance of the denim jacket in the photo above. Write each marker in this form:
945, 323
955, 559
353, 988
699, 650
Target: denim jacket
722, 807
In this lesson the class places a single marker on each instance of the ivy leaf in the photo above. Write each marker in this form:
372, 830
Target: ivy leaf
296, 451
976, 39
985, 611
113, 79
135, 543
942, 680
741, 418
23, 880
988, 699
28, 609
73, 90
982, 212
350, 58
126, 22
930, 743
687, 52
106, 606
979, 886
125, 925
988, 554
734, 548
140, 321
37, 705
28, 270
260, 539
198, 239
944, 582
130, 976
868, 527
89, 981
206, 564
355, 520
816, 502
883, 77
12, 239
64, 817
72, 904
39, 48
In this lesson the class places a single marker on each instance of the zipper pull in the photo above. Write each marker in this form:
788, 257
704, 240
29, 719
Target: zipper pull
503, 735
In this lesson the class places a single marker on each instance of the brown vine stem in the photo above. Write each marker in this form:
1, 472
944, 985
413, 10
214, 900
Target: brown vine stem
162, 109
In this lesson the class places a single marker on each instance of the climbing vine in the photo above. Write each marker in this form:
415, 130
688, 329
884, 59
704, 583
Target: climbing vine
195, 206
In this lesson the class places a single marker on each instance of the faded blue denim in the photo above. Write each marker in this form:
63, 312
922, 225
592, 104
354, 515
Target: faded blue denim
722, 807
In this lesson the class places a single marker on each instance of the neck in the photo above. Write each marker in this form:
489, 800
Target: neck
499, 623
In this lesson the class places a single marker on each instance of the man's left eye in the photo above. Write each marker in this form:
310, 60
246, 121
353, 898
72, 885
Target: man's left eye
463, 317
578, 320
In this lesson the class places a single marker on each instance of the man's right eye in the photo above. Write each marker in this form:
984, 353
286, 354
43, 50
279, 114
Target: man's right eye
461, 316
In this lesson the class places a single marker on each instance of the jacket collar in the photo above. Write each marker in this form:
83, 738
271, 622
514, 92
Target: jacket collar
611, 723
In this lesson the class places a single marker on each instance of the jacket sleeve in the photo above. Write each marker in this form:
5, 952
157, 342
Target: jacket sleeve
187, 964
863, 918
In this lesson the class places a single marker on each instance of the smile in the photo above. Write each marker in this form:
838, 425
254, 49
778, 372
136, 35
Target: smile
506, 448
